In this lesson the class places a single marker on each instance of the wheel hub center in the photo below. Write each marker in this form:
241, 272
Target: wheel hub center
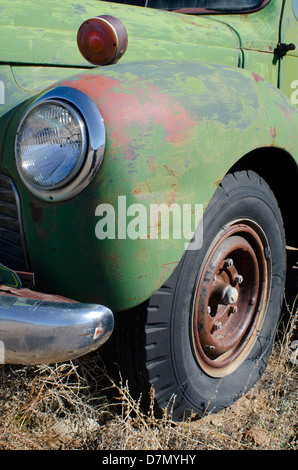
227, 294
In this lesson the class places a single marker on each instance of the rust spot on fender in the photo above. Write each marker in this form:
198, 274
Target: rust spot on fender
217, 183
36, 212
137, 191
169, 171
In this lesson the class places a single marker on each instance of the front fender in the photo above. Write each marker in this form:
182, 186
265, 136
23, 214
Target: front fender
173, 130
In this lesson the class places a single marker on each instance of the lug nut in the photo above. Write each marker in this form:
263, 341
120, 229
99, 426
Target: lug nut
217, 325
234, 309
229, 262
239, 279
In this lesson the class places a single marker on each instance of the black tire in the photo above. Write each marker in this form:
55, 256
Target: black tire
165, 342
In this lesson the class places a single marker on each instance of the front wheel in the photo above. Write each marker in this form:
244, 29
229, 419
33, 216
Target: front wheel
204, 339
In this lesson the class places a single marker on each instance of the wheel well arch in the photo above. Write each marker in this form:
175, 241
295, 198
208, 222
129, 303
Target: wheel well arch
279, 169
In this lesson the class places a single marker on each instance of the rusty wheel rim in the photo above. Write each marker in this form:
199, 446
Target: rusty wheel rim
230, 298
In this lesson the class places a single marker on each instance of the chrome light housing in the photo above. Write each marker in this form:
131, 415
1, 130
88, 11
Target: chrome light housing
60, 144
51, 144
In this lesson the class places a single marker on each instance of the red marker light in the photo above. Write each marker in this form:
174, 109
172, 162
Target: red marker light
102, 40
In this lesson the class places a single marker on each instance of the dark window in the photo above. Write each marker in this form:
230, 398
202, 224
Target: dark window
218, 5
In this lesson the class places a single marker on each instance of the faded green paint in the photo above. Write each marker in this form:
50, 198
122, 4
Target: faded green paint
20, 85
178, 111
27, 31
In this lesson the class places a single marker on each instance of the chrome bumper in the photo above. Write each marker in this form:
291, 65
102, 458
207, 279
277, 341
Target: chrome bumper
34, 331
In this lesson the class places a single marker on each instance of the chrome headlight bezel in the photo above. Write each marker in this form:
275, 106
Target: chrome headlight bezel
92, 128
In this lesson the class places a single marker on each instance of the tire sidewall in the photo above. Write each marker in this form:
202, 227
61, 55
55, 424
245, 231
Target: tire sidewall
236, 199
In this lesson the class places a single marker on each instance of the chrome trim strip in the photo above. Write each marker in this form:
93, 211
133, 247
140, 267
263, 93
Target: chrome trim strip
43, 332
95, 147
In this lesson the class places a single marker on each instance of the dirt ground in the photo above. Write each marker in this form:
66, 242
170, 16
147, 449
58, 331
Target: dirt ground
70, 406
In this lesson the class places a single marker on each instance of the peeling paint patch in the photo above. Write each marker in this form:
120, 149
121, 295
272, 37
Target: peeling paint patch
273, 132
78, 8
256, 77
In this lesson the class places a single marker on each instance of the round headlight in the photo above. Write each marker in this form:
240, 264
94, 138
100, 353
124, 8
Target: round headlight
60, 144
50, 145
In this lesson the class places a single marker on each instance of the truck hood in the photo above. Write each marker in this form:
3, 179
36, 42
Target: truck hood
39, 33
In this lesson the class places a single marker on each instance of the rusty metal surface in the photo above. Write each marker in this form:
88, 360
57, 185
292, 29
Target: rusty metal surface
180, 110
230, 299
31, 294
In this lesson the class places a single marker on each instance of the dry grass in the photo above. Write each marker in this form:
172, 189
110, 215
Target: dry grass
66, 406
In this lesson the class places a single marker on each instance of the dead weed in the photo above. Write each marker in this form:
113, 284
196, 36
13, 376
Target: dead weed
66, 406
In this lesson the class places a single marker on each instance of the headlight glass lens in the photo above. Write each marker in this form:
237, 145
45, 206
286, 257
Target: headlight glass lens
51, 145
